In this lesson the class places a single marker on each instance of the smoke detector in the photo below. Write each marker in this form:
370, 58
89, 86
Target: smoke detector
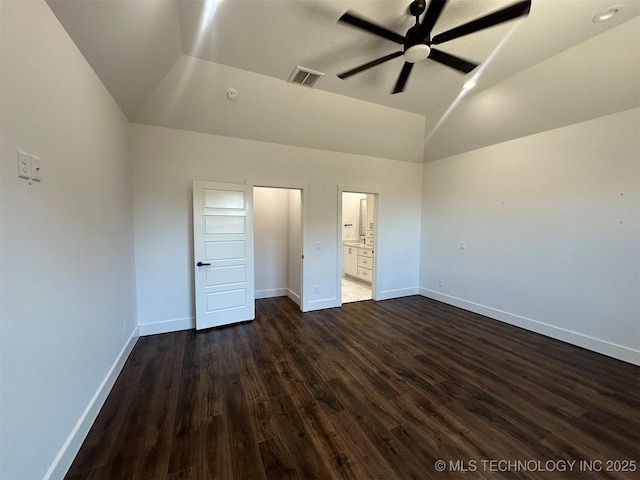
305, 76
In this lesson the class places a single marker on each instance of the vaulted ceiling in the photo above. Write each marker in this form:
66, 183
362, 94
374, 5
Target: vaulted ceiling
148, 52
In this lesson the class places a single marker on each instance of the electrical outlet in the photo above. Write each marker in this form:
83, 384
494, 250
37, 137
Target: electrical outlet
463, 245
317, 245
441, 282
24, 165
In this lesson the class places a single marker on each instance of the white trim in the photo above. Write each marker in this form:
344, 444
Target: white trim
278, 292
275, 183
71, 447
166, 326
598, 345
294, 296
397, 293
322, 304
271, 293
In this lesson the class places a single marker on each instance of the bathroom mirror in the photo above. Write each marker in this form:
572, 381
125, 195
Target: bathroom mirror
363, 216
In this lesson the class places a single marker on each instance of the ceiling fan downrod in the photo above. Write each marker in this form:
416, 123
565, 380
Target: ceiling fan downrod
416, 48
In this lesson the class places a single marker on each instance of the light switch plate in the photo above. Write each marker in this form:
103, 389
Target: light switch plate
24, 165
36, 168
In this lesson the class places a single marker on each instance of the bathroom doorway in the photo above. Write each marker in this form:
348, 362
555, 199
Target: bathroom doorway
358, 213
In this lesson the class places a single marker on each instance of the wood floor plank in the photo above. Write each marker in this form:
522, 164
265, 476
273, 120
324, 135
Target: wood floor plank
107, 425
185, 429
308, 462
361, 448
213, 448
369, 422
342, 468
143, 440
209, 396
245, 461
372, 390
444, 434
277, 460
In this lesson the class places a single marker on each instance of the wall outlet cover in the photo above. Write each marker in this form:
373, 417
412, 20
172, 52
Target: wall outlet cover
24, 165
36, 168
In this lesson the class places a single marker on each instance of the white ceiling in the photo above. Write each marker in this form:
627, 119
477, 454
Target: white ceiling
594, 78
168, 63
132, 44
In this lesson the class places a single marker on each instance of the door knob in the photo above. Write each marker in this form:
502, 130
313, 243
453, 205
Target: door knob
200, 264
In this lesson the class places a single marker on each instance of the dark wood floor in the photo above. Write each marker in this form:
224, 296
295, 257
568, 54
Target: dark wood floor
371, 390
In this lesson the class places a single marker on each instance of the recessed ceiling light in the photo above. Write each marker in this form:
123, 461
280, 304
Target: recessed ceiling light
607, 14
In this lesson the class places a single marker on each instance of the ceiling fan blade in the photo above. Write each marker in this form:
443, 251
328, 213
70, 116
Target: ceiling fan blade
366, 66
404, 76
457, 63
431, 17
509, 13
366, 25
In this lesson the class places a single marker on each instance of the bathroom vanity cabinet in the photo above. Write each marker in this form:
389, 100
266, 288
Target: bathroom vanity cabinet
357, 261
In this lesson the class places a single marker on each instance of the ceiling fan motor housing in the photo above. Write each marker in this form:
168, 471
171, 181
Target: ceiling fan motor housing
414, 37
416, 48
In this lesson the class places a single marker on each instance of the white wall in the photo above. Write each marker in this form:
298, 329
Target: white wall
165, 161
192, 96
551, 223
67, 263
271, 244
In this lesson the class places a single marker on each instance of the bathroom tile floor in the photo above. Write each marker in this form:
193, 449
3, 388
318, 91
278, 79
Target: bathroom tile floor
355, 291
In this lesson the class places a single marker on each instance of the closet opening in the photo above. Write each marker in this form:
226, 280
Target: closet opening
278, 221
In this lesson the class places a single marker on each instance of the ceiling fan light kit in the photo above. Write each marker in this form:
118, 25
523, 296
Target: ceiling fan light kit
417, 53
418, 43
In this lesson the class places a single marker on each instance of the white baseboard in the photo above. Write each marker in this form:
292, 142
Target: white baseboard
294, 296
271, 292
604, 347
322, 304
71, 447
278, 292
400, 292
167, 326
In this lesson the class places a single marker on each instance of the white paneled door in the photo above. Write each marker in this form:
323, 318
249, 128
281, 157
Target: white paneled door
223, 253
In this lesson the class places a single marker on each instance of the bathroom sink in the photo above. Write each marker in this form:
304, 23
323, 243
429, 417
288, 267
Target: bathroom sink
353, 243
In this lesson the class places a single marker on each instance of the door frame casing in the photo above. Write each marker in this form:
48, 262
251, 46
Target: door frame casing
369, 191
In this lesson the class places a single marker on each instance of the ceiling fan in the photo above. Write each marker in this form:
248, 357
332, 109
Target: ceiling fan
418, 42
